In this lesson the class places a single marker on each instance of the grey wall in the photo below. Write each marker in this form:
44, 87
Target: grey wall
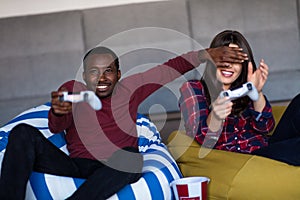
37, 53
40, 52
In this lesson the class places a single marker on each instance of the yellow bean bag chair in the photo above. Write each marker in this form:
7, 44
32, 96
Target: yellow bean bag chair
235, 175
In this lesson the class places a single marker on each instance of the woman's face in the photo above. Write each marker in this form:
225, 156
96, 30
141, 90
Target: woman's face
227, 75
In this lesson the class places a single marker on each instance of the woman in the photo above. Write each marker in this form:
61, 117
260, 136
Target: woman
241, 125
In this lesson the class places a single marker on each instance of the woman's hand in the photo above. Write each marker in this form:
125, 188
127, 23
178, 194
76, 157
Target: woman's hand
221, 108
260, 76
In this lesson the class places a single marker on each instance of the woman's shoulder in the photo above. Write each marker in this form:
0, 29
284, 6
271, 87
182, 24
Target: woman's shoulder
196, 84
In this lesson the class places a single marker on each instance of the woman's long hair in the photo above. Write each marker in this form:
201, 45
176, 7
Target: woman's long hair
212, 86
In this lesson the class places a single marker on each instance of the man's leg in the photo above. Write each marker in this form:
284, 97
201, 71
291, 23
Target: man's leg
29, 150
110, 178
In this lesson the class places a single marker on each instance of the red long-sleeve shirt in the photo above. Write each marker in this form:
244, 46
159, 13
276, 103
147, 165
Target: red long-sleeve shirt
97, 134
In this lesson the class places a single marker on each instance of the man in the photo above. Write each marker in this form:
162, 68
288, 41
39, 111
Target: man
102, 144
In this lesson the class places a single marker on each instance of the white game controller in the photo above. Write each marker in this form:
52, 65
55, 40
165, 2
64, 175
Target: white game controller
84, 96
247, 89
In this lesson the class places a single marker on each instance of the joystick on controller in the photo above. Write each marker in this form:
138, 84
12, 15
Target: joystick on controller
247, 89
84, 96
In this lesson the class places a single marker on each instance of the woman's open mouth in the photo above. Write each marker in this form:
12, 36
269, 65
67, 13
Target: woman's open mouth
226, 74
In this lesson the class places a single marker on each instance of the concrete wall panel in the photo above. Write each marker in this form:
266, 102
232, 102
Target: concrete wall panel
102, 23
271, 26
38, 53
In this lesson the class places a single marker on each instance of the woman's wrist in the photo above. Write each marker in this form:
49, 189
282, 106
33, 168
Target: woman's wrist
260, 103
260, 95
214, 123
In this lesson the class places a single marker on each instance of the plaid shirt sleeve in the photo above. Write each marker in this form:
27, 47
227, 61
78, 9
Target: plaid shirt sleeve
263, 122
194, 109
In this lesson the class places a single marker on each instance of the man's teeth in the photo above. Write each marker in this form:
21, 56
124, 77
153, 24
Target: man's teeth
101, 86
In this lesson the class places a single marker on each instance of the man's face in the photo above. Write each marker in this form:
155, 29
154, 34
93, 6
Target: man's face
101, 74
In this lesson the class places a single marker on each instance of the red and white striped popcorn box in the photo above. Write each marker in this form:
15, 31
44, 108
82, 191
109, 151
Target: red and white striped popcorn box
190, 188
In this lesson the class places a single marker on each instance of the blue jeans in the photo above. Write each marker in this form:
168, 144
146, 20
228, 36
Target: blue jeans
28, 150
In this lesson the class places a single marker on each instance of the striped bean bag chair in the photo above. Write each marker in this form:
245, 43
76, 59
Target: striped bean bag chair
158, 171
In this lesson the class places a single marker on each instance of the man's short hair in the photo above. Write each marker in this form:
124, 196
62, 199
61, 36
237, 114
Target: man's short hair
101, 50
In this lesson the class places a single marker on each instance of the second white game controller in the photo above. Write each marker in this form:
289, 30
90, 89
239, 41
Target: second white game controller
247, 89
84, 96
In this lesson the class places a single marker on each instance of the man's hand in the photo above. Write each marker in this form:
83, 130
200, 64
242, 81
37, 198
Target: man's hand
58, 107
223, 56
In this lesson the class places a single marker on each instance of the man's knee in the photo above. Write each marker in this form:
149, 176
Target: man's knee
128, 160
22, 132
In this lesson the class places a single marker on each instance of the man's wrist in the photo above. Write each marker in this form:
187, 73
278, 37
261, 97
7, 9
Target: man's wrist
55, 114
203, 55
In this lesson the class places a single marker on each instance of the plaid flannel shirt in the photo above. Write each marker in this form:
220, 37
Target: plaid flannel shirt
244, 133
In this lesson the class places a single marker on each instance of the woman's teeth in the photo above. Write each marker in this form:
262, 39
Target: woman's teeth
226, 73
